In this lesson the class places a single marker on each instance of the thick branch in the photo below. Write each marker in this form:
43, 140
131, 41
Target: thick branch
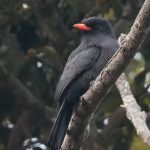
107, 77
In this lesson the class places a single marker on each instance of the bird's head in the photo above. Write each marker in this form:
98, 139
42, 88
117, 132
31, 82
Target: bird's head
94, 24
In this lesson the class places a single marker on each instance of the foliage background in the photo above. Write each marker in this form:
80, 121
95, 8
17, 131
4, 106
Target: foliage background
36, 37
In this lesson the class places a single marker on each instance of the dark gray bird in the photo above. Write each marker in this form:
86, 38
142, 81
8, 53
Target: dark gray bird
97, 46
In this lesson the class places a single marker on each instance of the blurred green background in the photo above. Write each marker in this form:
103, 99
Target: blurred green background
36, 37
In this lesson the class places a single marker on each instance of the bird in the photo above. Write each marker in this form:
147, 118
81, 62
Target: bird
97, 46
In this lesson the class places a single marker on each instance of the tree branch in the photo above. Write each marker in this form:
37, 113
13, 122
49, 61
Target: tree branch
20, 132
24, 96
107, 77
133, 110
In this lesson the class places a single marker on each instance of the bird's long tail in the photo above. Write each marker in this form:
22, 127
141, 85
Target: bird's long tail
60, 126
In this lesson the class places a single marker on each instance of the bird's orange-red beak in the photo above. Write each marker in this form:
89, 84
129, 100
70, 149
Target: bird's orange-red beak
82, 27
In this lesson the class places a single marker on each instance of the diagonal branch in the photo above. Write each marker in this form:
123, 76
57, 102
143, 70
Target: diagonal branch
133, 110
24, 96
107, 77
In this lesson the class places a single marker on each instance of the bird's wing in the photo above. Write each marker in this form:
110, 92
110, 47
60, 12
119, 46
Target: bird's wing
74, 67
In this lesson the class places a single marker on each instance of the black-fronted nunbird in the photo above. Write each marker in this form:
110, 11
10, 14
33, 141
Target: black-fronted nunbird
97, 46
